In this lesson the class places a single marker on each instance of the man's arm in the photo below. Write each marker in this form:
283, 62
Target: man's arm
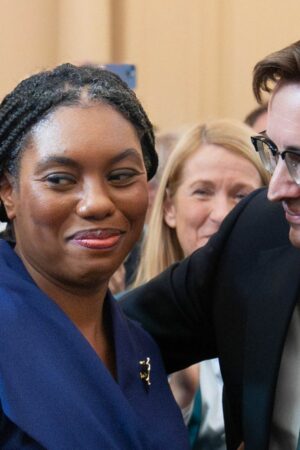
177, 307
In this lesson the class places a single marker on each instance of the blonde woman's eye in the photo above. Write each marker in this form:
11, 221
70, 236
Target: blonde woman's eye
202, 192
241, 195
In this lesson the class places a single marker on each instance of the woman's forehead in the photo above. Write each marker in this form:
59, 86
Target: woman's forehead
76, 132
68, 119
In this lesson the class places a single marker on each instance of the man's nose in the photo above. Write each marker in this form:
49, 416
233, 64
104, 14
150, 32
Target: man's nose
96, 201
282, 185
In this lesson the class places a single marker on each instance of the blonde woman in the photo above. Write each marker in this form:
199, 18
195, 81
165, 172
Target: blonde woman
210, 170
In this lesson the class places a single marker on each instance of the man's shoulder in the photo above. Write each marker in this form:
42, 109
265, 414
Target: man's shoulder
261, 209
257, 221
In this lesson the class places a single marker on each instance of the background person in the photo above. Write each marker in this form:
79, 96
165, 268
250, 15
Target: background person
257, 118
76, 149
124, 276
238, 297
211, 169
187, 187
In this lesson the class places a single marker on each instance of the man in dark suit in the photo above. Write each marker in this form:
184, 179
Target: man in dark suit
238, 297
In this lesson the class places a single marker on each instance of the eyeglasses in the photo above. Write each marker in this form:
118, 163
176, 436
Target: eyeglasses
269, 155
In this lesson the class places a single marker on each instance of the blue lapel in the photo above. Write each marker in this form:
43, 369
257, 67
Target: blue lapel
276, 286
53, 386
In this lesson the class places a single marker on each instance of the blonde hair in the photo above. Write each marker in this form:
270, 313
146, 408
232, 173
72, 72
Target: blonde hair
161, 247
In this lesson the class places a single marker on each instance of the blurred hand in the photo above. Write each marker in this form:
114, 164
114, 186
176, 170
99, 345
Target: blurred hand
117, 281
184, 385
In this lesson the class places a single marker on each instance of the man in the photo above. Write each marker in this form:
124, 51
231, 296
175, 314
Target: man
238, 297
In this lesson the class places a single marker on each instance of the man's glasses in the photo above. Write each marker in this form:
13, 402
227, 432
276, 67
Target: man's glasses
269, 155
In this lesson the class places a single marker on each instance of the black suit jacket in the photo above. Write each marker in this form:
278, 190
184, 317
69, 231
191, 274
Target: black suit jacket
232, 299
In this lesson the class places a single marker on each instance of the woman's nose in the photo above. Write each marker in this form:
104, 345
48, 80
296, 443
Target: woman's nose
220, 208
95, 202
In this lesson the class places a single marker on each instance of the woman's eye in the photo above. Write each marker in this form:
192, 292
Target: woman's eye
241, 195
202, 192
59, 179
122, 177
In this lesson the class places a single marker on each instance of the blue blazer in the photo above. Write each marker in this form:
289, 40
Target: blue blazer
232, 299
55, 392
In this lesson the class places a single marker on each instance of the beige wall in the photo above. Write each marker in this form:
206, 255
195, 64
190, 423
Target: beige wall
84, 30
194, 58
28, 39
36, 34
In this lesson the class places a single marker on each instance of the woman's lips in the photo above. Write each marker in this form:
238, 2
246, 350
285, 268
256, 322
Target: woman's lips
98, 239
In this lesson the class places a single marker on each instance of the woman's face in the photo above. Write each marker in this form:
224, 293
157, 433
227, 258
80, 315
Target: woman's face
213, 181
80, 202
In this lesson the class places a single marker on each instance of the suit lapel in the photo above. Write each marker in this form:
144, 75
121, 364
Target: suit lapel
276, 290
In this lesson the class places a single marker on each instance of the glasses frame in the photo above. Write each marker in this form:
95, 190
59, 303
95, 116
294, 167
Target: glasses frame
277, 154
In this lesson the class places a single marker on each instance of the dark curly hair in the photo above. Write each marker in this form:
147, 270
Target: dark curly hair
283, 65
37, 96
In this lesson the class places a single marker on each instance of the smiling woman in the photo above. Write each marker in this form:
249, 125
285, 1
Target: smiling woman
76, 150
81, 186
212, 167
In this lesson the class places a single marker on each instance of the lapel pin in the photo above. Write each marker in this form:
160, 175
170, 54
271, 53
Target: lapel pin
145, 370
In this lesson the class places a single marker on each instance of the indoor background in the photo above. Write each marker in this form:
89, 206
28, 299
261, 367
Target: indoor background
194, 58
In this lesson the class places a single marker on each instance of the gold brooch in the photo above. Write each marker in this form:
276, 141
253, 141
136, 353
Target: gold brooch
145, 371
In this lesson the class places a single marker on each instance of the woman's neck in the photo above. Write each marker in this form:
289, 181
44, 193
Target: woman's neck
84, 306
86, 310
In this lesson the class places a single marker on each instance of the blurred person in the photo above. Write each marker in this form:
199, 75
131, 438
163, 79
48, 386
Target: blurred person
123, 278
76, 150
165, 142
210, 170
257, 118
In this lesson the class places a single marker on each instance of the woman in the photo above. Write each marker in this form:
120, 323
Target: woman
76, 149
211, 169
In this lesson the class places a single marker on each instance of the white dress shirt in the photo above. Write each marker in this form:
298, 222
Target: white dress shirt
286, 414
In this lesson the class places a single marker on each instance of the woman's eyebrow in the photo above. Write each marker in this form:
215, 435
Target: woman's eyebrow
128, 153
202, 182
69, 162
56, 159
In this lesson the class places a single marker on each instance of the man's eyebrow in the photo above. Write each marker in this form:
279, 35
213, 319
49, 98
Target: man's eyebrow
288, 147
293, 148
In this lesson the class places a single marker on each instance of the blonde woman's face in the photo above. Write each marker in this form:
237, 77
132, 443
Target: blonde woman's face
213, 181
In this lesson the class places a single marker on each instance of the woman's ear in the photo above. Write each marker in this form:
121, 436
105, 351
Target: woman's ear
170, 211
7, 189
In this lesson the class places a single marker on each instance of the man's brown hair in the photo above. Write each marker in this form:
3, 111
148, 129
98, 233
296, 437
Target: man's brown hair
283, 65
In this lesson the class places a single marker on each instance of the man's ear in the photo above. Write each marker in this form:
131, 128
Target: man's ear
7, 190
170, 211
